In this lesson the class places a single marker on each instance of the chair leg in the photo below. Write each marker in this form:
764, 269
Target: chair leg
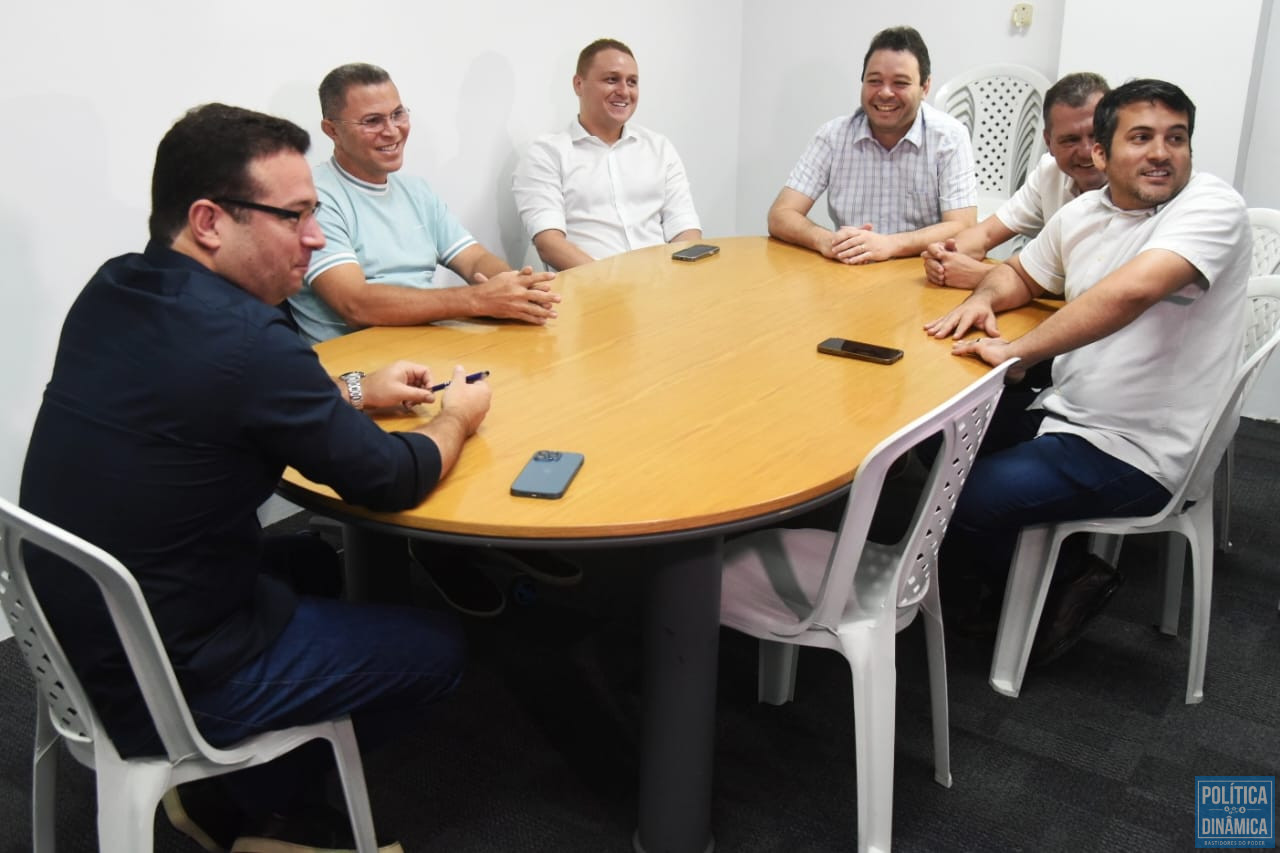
871, 655
776, 672
346, 753
1202, 597
1106, 546
1171, 550
1222, 489
1024, 596
44, 782
128, 793
936, 647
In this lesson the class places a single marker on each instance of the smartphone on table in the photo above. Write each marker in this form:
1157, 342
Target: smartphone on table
547, 474
694, 252
859, 350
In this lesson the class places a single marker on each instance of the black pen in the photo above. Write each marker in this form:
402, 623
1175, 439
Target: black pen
471, 377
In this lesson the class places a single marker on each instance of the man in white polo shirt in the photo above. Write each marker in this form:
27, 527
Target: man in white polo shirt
605, 185
387, 234
1154, 269
1063, 173
898, 174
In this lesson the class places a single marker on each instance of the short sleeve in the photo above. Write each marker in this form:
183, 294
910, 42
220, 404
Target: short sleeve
1042, 257
812, 173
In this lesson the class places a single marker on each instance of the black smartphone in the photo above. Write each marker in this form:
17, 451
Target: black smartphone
547, 474
858, 349
694, 252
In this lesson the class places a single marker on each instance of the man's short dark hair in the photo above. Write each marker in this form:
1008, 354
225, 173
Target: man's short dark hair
599, 45
334, 86
1146, 90
206, 154
1074, 90
901, 38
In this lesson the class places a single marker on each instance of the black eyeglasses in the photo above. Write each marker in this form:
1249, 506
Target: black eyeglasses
295, 216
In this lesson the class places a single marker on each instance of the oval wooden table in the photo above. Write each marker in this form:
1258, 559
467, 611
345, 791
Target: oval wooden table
696, 393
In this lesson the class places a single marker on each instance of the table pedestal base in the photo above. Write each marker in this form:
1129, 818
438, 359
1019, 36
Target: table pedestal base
681, 650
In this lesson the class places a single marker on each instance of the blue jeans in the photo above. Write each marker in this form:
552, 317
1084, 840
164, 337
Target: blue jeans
380, 664
1020, 479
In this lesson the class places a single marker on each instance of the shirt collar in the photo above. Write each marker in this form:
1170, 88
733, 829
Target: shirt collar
862, 129
375, 189
160, 255
578, 133
1104, 195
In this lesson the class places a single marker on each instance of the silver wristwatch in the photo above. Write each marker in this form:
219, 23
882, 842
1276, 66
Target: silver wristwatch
354, 389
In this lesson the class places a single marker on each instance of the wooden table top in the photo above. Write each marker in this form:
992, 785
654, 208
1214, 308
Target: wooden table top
695, 390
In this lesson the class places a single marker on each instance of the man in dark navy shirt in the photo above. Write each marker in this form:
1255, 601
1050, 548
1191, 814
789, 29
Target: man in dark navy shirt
179, 393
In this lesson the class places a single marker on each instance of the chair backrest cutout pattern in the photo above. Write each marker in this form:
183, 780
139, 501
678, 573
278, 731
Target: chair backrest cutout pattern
60, 700
969, 428
1265, 224
1004, 116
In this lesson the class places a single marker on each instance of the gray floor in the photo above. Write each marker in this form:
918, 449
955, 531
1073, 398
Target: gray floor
536, 751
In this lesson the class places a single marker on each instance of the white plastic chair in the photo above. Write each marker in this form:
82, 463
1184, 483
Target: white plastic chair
1003, 108
129, 789
1262, 318
792, 588
1265, 224
1188, 513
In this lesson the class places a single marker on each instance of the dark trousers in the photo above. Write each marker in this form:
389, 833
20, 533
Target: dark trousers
1020, 479
380, 664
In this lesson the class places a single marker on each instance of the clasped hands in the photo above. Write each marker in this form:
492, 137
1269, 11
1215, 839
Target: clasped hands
515, 295
946, 266
861, 245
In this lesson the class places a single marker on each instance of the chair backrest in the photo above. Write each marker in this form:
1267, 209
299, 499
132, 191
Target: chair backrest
72, 712
1262, 312
858, 588
1265, 224
1003, 108
1259, 326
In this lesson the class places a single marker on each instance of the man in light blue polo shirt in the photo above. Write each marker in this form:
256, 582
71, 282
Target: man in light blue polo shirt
898, 173
386, 234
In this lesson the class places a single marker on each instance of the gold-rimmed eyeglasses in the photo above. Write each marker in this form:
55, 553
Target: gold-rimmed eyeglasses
375, 124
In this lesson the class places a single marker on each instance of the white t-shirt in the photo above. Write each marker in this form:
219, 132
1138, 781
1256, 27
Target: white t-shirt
607, 199
1046, 190
1145, 393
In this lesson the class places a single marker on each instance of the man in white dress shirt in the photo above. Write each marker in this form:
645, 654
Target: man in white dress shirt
604, 185
1062, 174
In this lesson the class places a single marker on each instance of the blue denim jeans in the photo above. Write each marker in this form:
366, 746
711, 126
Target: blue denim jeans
1021, 479
380, 664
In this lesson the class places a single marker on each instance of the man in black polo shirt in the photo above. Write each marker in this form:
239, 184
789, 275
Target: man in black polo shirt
179, 394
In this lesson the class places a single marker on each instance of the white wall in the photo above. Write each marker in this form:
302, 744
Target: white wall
88, 89
802, 61
1262, 189
739, 85
1210, 55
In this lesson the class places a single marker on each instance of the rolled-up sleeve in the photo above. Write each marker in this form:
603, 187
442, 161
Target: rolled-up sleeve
678, 213
538, 187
